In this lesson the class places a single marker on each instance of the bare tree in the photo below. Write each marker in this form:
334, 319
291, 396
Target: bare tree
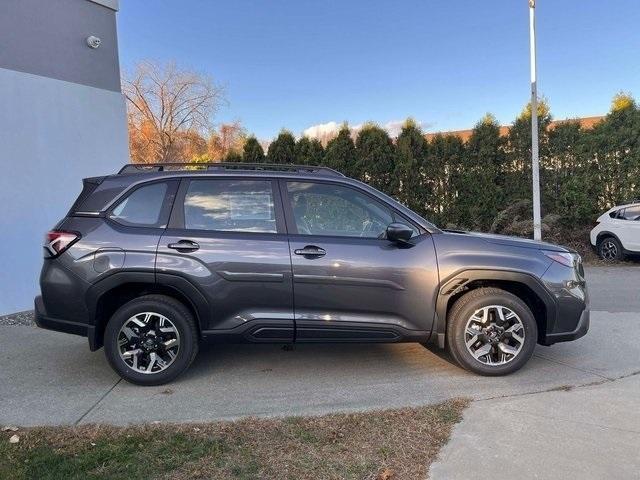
168, 106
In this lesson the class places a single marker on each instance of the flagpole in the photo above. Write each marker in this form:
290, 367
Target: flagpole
535, 160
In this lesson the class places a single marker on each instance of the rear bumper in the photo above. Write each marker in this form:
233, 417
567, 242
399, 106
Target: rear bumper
60, 325
580, 331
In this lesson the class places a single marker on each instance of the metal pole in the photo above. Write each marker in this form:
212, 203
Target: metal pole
535, 160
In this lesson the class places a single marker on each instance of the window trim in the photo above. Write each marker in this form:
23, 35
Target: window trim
165, 209
292, 228
176, 221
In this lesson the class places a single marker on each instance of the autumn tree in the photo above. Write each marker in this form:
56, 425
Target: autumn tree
282, 149
252, 151
167, 106
227, 139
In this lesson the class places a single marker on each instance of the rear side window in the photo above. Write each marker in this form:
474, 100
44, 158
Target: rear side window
230, 206
631, 213
142, 207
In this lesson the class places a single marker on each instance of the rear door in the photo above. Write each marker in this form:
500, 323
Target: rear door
226, 236
350, 282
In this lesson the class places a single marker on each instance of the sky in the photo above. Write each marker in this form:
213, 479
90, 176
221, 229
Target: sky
298, 64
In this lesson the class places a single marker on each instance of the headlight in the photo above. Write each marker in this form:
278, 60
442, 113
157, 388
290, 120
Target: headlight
565, 258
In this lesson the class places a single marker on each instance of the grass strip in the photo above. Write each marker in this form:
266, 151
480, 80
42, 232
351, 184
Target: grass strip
388, 444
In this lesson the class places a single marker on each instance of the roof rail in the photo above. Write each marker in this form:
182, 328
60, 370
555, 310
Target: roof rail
268, 167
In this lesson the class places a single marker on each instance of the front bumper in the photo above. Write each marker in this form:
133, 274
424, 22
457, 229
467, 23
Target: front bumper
59, 325
580, 331
571, 318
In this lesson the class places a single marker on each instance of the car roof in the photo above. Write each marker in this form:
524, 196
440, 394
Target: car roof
222, 167
633, 203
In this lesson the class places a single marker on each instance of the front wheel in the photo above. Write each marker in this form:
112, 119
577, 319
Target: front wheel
610, 249
151, 340
491, 332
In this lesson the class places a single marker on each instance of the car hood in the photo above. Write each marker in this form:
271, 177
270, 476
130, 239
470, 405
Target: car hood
511, 241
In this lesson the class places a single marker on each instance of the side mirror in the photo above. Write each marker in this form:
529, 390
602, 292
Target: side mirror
399, 232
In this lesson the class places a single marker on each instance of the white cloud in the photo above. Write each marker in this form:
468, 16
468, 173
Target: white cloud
394, 127
322, 130
327, 131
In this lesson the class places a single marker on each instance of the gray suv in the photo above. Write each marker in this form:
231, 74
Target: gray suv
158, 258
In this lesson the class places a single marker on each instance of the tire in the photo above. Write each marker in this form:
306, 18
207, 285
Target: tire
501, 337
610, 249
168, 321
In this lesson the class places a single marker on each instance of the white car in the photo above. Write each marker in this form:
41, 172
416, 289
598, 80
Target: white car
617, 232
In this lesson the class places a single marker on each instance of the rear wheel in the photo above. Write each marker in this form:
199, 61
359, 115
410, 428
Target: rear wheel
610, 249
491, 332
151, 340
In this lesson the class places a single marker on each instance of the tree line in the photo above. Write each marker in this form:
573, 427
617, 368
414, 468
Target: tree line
468, 183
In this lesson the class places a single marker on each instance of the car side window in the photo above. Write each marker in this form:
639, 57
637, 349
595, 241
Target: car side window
631, 213
336, 210
142, 207
230, 206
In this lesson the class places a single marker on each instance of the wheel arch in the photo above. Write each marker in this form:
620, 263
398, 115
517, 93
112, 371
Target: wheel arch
105, 297
604, 234
525, 286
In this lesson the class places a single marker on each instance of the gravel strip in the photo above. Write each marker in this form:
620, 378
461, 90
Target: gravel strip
20, 318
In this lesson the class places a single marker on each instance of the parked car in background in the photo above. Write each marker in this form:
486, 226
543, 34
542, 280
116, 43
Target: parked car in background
153, 260
617, 232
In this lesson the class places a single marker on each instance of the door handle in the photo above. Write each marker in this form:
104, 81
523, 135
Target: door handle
184, 246
311, 251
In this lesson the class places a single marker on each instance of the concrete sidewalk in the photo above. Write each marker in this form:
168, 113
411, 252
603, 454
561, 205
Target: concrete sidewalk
584, 433
587, 432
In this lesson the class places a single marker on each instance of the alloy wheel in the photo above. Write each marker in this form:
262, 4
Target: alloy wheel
148, 342
494, 335
609, 250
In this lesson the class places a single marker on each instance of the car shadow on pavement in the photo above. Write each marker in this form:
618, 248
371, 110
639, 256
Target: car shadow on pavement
309, 360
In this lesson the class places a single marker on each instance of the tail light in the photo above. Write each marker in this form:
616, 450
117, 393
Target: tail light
57, 241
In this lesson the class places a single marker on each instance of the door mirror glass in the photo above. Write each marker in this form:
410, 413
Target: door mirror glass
399, 232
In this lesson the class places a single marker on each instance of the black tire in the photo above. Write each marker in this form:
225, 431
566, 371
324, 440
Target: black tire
610, 249
463, 310
177, 313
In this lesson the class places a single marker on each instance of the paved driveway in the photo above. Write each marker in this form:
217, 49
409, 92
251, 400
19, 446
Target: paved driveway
52, 378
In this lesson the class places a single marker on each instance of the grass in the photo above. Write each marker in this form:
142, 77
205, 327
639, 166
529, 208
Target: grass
384, 445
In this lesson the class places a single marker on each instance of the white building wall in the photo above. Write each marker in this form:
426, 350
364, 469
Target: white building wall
53, 133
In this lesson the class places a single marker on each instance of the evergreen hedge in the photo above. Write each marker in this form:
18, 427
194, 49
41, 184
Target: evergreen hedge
467, 184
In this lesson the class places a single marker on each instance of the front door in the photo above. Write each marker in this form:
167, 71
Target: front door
350, 282
628, 228
226, 236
